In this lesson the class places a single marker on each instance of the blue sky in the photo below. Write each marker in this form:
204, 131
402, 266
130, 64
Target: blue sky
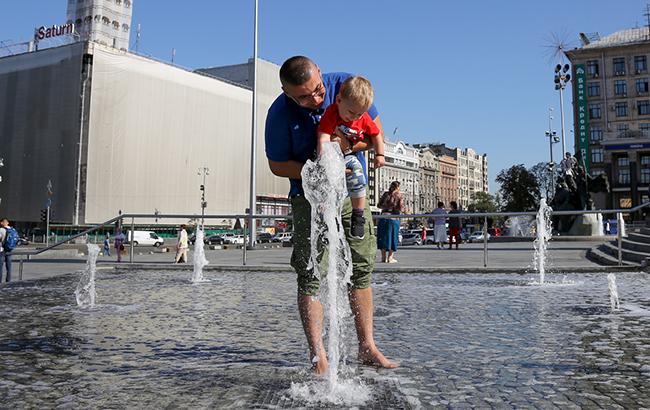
468, 73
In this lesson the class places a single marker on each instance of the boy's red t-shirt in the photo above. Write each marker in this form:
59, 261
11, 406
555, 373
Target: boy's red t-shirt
363, 126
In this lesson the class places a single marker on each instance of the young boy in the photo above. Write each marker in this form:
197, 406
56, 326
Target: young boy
349, 115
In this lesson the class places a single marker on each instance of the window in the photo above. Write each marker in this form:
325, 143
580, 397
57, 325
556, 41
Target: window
642, 85
106, 20
593, 89
596, 155
623, 161
595, 133
125, 27
624, 176
127, 3
622, 130
594, 111
621, 109
78, 22
118, 2
116, 25
640, 64
619, 66
592, 68
620, 88
643, 107
595, 172
645, 160
645, 175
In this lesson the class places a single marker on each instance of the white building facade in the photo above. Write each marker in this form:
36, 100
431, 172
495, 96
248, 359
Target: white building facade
107, 22
403, 165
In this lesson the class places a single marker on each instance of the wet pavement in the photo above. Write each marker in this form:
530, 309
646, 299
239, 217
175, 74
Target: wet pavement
464, 341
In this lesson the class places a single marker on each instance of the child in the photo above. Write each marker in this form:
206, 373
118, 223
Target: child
349, 115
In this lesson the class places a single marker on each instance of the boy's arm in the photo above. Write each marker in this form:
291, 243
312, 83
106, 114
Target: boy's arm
368, 143
323, 137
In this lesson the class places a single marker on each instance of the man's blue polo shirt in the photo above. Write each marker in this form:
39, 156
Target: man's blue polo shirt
291, 130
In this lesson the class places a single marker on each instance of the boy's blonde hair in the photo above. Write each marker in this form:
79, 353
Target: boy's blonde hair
357, 90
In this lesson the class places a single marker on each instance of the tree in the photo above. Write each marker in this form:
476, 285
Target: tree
544, 179
483, 202
519, 189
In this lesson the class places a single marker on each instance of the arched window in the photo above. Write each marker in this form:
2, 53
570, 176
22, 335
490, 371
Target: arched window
116, 25
125, 27
78, 21
118, 2
106, 20
98, 18
127, 3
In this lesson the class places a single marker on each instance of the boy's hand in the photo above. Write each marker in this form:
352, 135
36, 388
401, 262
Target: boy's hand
342, 140
380, 161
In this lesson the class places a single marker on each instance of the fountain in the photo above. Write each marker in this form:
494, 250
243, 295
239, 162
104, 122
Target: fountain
325, 189
544, 230
199, 257
520, 226
613, 291
85, 292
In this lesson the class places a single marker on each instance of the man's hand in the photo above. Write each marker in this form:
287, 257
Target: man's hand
380, 161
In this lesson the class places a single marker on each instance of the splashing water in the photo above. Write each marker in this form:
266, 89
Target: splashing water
544, 230
85, 292
520, 226
620, 223
199, 258
613, 291
325, 189
601, 226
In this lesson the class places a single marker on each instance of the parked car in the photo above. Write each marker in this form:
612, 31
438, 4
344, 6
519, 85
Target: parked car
477, 236
283, 237
143, 238
234, 239
214, 240
264, 237
411, 239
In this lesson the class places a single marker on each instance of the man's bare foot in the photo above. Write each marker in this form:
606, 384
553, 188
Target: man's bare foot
373, 357
319, 365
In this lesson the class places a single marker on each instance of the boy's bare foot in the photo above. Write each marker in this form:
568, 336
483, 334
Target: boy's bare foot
319, 365
373, 357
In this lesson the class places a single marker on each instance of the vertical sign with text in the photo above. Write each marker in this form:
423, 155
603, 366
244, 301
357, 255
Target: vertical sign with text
582, 115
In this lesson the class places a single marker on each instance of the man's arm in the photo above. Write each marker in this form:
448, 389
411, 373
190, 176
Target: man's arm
288, 169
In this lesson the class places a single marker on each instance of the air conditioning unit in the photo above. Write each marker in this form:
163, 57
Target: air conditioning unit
619, 73
595, 75
639, 71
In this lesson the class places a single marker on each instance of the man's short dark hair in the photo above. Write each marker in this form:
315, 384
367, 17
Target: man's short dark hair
441, 204
296, 71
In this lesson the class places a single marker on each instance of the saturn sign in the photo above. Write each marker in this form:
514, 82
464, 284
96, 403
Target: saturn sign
54, 31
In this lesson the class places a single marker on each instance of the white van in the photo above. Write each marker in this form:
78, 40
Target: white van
144, 238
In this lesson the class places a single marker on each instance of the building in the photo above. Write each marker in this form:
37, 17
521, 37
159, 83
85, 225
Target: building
447, 188
429, 179
114, 131
403, 165
107, 22
471, 173
611, 100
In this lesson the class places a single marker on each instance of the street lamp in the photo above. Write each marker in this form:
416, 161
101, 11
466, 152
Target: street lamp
562, 77
203, 171
552, 139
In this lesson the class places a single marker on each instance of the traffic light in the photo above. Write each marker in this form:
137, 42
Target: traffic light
43, 215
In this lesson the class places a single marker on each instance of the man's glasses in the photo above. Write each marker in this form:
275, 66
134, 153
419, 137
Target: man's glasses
304, 99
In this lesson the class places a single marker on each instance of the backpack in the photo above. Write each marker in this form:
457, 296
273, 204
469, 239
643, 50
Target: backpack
11, 239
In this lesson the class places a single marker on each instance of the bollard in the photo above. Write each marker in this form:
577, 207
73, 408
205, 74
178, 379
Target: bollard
20, 269
244, 246
619, 237
485, 240
132, 239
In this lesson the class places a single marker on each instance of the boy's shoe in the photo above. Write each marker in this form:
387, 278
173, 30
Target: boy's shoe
357, 225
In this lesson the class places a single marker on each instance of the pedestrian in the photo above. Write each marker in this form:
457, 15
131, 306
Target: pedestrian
454, 225
107, 245
439, 224
118, 243
607, 227
424, 233
390, 203
8, 242
291, 126
349, 115
182, 246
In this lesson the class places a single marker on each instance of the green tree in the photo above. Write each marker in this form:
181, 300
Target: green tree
519, 189
544, 179
483, 202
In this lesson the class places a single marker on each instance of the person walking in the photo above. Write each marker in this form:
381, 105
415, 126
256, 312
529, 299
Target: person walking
118, 243
439, 224
107, 245
290, 135
454, 225
8, 241
390, 203
182, 246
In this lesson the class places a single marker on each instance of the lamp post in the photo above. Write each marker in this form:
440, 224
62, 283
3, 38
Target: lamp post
205, 171
252, 205
562, 77
552, 139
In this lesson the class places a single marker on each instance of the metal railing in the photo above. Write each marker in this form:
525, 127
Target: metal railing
120, 220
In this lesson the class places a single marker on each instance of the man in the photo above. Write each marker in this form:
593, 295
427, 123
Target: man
291, 127
5, 253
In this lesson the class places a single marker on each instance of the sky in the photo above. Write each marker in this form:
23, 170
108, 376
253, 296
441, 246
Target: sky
470, 73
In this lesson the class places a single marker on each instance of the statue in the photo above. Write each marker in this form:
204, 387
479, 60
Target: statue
572, 192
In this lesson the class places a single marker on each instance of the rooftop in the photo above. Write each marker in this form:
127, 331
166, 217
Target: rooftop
620, 38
